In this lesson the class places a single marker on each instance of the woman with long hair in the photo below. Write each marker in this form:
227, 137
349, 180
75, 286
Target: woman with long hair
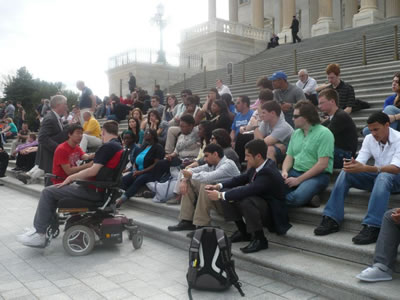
161, 127
220, 115
134, 126
168, 113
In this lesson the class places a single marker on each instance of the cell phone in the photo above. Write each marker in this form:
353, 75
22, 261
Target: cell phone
347, 159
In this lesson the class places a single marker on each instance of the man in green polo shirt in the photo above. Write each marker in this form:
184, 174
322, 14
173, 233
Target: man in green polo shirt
309, 159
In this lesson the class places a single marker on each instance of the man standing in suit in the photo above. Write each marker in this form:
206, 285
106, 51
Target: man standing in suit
295, 30
258, 196
51, 134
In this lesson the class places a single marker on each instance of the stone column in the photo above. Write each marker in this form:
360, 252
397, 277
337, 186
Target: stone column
212, 10
392, 8
233, 11
325, 23
369, 14
258, 13
288, 11
350, 9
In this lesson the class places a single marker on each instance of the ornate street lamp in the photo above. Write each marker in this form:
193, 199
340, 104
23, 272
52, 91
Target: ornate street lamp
162, 23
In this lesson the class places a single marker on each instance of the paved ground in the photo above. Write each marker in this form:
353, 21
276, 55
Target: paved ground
156, 271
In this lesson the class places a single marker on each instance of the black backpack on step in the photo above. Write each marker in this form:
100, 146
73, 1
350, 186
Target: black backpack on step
210, 265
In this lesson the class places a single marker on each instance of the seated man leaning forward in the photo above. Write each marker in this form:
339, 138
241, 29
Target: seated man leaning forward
309, 158
195, 205
257, 196
383, 145
107, 155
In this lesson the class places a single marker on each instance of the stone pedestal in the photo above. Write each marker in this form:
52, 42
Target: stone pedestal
369, 14
325, 23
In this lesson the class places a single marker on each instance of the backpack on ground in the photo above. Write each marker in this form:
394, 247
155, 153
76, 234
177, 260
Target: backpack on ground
210, 262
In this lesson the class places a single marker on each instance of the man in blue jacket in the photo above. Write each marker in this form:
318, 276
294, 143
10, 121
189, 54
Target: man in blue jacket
258, 196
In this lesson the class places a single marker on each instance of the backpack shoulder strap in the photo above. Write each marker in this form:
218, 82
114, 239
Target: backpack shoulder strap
228, 263
194, 260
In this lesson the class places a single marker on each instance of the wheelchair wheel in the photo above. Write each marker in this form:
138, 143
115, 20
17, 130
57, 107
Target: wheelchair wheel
78, 240
137, 239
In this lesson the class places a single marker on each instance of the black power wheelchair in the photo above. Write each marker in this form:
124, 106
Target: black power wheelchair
84, 220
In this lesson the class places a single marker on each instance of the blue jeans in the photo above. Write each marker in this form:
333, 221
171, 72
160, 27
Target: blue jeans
381, 185
389, 110
303, 193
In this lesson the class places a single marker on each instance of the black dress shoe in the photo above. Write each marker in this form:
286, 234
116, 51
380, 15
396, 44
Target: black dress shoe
182, 225
255, 246
237, 236
367, 235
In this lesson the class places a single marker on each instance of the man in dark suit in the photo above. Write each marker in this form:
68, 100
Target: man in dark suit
258, 196
51, 134
295, 30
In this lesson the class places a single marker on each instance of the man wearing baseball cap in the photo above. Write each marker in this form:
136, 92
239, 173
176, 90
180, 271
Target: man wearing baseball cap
286, 94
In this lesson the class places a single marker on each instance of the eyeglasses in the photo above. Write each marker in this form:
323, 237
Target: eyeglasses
183, 95
296, 116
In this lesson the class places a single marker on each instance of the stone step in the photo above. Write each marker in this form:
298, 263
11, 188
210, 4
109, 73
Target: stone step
305, 260
328, 276
300, 236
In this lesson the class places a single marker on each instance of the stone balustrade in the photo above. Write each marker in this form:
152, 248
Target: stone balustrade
149, 56
224, 26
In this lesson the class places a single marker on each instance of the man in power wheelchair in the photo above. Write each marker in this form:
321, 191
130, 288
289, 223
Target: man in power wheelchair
86, 206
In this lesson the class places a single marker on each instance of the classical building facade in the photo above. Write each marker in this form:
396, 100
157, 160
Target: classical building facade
251, 23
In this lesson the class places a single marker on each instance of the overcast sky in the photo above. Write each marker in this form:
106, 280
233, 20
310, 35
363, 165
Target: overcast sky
68, 40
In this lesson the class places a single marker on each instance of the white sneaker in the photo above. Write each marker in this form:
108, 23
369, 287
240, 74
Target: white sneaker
27, 231
32, 239
374, 274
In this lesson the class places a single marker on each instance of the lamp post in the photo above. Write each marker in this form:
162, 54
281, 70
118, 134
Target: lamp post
159, 21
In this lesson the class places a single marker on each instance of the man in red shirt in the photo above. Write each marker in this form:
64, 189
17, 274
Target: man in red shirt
68, 154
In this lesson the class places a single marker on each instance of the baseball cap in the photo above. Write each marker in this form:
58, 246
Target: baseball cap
278, 75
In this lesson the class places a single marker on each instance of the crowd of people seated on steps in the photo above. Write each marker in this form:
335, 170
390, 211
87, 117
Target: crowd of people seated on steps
247, 162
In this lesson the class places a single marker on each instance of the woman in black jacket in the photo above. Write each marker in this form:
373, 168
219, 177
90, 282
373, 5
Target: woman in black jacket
145, 160
220, 115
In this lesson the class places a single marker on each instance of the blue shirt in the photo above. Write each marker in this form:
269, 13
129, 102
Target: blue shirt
389, 100
241, 120
140, 158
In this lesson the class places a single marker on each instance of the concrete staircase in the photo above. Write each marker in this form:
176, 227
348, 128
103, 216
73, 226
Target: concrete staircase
371, 82
324, 265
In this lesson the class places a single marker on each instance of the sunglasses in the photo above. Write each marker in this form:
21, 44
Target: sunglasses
296, 116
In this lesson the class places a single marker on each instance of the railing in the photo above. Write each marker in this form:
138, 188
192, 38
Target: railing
219, 25
149, 56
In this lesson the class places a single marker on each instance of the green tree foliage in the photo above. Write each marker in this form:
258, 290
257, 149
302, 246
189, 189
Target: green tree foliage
23, 87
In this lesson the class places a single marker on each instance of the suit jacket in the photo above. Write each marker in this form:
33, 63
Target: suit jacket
295, 25
50, 136
267, 184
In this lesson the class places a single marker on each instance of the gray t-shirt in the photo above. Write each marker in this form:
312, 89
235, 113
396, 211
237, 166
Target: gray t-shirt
291, 95
282, 131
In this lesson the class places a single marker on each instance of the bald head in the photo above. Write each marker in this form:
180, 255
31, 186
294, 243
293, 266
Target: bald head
80, 85
87, 115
